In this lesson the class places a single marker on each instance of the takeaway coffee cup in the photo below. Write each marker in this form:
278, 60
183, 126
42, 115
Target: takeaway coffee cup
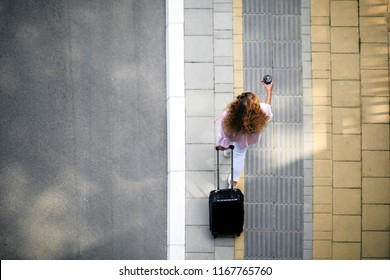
267, 79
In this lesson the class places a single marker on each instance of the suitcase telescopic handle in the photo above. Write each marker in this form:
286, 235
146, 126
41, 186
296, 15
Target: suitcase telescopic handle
231, 147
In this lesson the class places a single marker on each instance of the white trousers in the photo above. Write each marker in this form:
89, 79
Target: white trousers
238, 161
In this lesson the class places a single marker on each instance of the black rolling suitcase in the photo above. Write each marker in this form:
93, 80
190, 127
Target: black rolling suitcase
226, 207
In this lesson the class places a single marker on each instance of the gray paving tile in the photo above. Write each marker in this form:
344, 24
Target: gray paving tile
198, 22
199, 240
223, 74
198, 49
198, 4
199, 184
200, 256
197, 212
199, 75
199, 103
225, 241
225, 88
200, 157
223, 21
223, 7
223, 34
201, 130
223, 60
223, 47
308, 254
224, 253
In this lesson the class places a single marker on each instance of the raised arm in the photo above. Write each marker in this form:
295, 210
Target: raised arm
268, 89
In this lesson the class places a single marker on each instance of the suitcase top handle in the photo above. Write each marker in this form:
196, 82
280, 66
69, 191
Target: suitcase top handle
231, 147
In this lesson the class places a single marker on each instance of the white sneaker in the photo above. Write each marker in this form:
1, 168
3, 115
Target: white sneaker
227, 153
229, 181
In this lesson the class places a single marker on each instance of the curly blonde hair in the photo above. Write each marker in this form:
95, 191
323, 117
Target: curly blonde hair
244, 115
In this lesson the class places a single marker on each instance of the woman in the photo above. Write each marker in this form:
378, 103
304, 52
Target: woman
241, 124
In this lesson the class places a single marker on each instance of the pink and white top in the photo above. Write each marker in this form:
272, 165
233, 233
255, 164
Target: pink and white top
243, 141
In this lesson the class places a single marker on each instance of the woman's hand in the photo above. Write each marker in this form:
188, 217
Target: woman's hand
268, 87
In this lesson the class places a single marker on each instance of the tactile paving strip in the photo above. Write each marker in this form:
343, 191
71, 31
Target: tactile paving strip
274, 167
